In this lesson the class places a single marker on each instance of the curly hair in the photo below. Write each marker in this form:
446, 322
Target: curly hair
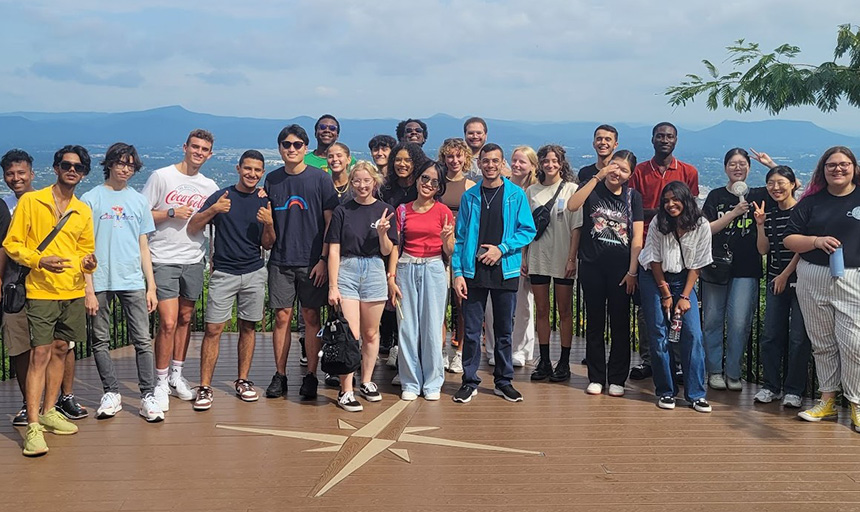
115, 154
690, 215
401, 128
566, 172
455, 145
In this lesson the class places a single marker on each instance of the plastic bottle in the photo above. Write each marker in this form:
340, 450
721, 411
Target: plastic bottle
675, 328
837, 263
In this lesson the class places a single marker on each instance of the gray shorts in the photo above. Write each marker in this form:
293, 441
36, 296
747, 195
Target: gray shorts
285, 283
362, 279
16, 333
248, 290
174, 280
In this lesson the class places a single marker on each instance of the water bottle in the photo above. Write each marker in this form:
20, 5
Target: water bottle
837, 263
675, 328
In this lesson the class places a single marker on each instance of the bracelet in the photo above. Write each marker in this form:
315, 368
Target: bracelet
685, 297
389, 275
669, 297
661, 285
632, 275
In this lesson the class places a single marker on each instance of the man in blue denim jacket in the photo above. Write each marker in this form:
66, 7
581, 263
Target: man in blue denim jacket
493, 225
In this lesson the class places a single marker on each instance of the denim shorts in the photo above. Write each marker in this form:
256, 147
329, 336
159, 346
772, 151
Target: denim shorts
362, 279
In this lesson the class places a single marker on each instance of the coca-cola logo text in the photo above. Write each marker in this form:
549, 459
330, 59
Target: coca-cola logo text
192, 200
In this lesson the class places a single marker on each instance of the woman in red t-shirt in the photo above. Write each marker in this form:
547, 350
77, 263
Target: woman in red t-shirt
418, 284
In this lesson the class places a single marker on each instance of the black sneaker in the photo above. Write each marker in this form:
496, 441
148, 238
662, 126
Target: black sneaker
348, 403
331, 381
561, 372
679, 377
464, 394
308, 390
666, 402
303, 361
641, 372
69, 406
20, 419
701, 405
508, 392
370, 392
584, 362
542, 371
278, 387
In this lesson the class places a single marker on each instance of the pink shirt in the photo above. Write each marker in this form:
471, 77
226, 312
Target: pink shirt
421, 232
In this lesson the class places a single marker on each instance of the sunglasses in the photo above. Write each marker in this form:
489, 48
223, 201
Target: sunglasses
295, 145
67, 166
427, 180
414, 130
329, 127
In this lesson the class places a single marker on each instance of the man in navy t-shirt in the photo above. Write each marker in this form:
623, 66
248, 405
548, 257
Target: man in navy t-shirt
302, 198
243, 228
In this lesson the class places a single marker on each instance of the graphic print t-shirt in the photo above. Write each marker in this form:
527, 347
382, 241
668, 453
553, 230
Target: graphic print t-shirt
741, 234
606, 224
353, 226
238, 233
168, 188
119, 218
298, 202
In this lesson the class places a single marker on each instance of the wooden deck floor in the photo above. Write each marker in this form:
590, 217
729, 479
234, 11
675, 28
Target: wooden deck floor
565, 451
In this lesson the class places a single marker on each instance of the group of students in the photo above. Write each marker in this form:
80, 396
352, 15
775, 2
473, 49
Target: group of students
390, 238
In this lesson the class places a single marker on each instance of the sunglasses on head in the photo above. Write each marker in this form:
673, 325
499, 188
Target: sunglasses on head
67, 166
295, 144
329, 127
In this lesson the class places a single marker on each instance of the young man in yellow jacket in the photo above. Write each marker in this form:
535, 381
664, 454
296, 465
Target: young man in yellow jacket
55, 286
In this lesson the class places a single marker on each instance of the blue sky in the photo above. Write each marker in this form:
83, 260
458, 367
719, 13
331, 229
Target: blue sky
544, 60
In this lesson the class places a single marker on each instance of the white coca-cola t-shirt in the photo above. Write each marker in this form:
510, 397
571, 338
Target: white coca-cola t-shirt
168, 188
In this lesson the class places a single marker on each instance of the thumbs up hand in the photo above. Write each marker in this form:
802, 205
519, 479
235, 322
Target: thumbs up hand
264, 215
223, 203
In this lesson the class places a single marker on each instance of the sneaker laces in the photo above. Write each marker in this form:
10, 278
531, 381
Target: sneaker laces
149, 402
347, 397
370, 387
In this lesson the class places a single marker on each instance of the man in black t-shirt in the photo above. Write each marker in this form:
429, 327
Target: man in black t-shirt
243, 228
605, 142
494, 223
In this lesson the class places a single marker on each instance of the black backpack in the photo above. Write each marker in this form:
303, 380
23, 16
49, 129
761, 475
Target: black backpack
341, 352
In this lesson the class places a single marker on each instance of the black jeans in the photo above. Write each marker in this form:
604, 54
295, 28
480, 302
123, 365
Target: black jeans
601, 289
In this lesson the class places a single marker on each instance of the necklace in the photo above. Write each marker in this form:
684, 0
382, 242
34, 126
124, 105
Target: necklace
484, 196
341, 191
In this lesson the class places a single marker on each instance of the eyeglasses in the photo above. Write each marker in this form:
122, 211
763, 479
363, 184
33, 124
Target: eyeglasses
358, 183
329, 127
777, 183
843, 166
427, 180
295, 144
127, 165
736, 165
414, 130
67, 166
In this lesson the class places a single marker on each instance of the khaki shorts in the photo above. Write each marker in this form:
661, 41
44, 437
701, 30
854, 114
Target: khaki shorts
51, 320
16, 332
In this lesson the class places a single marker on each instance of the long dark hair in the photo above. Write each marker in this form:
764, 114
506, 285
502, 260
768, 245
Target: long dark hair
416, 154
689, 218
565, 172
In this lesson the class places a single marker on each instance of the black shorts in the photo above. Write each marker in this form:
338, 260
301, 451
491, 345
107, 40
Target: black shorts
539, 279
285, 283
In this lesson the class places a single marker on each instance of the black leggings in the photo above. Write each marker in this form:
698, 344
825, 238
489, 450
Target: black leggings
600, 287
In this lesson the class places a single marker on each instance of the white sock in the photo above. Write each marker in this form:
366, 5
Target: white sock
161, 377
176, 370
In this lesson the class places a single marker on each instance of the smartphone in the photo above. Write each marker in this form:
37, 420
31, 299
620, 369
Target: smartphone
481, 251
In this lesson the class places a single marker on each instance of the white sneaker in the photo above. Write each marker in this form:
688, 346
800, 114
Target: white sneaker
734, 384
396, 380
150, 410
162, 396
717, 381
595, 388
433, 396
518, 361
791, 401
491, 361
765, 396
445, 358
408, 396
111, 403
392, 357
616, 390
456, 365
181, 389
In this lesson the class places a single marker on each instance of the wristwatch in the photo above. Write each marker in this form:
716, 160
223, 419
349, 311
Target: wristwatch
171, 212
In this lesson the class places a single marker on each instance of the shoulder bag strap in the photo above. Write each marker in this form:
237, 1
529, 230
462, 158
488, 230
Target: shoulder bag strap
680, 248
54, 232
551, 202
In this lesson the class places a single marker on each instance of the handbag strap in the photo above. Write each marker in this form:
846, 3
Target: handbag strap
630, 215
551, 202
54, 232
680, 248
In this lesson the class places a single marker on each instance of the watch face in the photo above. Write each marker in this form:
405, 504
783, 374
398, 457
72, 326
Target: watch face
171, 212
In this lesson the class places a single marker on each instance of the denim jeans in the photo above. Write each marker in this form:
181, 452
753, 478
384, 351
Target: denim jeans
137, 320
784, 339
692, 352
728, 308
424, 287
504, 304
523, 335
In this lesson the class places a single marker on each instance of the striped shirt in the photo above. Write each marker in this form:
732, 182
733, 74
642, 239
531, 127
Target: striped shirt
778, 257
693, 253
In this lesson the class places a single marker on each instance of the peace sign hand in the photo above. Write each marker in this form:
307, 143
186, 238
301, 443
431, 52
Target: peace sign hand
763, 158
384, 222
447, 231
759, 213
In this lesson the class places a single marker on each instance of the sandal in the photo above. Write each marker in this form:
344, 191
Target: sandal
246, 391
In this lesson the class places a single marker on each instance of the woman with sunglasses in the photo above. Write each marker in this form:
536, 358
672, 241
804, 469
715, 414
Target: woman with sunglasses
455, 154
784, 343
613, 223
551, 257
419, 284
360, 236
729, 295
824, 229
